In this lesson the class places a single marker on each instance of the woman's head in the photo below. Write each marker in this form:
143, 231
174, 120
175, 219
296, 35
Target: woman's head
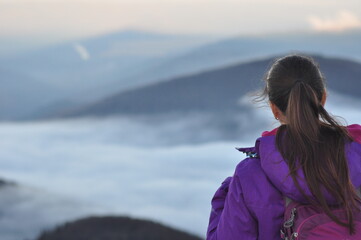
288, 75
309, 137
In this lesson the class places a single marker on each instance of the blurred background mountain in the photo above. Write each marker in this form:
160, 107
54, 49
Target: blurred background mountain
75, 74
114, 228
116, 111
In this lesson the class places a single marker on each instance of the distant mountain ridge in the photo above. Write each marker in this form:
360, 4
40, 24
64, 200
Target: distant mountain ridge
84, 70
237, 49
218, 90
5, 183
115, 228
88, 70
91, 62
21, 95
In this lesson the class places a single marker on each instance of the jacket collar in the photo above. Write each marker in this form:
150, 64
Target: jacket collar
277, 171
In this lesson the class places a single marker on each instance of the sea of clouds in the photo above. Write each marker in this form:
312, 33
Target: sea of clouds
142, 167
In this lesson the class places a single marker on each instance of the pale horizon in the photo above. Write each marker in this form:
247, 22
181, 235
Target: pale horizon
44, 22
76, 18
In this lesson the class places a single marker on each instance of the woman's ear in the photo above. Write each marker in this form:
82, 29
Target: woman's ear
324, 96
276, 112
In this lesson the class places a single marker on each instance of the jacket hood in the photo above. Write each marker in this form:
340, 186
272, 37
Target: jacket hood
276, 168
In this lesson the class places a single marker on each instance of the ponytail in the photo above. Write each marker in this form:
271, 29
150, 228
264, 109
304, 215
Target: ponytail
311, 139
302, 114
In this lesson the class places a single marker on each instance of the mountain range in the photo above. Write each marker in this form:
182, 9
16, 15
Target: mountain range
85, 71
214, 91
238, 49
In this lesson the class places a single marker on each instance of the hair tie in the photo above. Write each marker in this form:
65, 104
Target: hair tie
298, 82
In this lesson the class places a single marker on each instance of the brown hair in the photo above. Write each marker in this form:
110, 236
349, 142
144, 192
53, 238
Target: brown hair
311, 139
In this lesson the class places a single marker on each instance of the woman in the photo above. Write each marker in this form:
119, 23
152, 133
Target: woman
309, 158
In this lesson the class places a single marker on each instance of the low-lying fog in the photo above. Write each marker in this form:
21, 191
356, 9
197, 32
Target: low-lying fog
162, 168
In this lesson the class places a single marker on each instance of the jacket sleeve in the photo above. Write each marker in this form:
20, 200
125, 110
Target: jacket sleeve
230, 219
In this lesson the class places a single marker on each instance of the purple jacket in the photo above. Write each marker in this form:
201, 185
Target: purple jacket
250, 204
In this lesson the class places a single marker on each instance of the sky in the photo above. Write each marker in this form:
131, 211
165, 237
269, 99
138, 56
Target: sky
54, 20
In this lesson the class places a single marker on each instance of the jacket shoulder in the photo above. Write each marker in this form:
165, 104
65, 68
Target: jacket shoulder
248, 167
259, 193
